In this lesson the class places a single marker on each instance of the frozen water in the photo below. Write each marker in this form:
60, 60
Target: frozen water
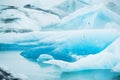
54, 38
60, 45
63, 15
89, 17
20, 18
96, 61
63, 44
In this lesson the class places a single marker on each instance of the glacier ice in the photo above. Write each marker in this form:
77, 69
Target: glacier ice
63, 14
14, 17
45, 43
116, 68
56, 37
20, 17
63, 44
106, 59
44, 57
89, 17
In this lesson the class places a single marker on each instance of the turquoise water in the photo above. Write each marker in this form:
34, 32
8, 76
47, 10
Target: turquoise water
17, 64
91, 75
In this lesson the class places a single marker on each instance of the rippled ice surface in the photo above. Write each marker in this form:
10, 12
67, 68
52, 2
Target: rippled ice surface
17, 64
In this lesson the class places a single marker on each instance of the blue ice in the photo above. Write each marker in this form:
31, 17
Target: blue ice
67, 43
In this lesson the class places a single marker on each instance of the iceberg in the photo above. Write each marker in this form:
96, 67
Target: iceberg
96, 16
63, 14
13, 18
106, 59
16, 17
55, 36
61, 45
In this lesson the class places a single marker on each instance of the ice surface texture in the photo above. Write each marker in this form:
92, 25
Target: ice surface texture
61, 45
106, 59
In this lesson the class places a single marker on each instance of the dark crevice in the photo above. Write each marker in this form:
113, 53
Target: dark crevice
15, 30
40, 9
5, 7
9, 20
